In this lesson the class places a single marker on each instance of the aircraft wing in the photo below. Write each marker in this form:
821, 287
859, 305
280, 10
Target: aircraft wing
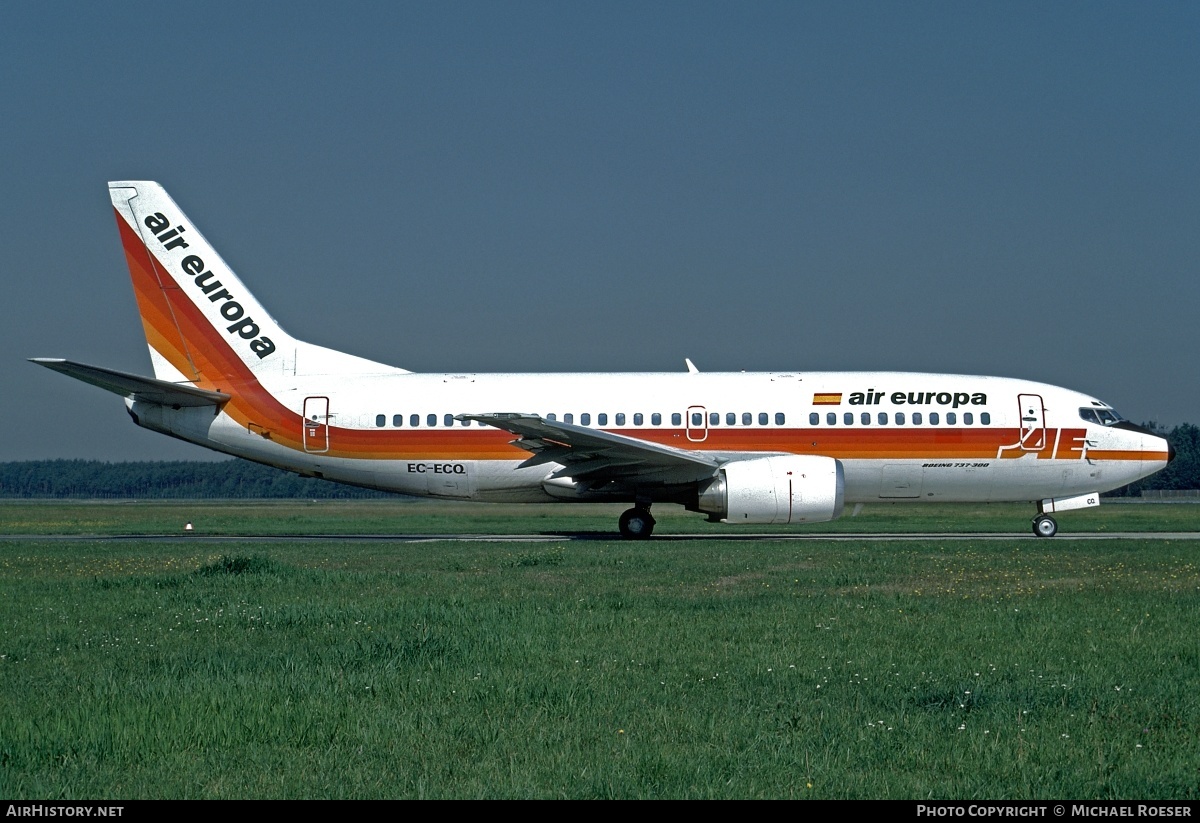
593, 456
145, 389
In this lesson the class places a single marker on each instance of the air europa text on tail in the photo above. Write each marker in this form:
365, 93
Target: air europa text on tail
231, 309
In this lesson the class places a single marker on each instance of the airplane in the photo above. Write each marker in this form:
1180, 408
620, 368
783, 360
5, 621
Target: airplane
741, 448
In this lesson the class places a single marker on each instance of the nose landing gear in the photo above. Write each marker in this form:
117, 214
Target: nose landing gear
1044, 526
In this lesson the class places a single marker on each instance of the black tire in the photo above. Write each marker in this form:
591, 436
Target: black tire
636, 524
1044, 526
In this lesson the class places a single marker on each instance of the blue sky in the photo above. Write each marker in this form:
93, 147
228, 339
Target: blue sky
1008, 189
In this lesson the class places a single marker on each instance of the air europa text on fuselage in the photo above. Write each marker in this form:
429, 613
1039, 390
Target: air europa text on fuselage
231, 309
916, 398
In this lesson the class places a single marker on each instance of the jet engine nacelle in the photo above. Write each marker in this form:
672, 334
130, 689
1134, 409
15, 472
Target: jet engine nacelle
781, 489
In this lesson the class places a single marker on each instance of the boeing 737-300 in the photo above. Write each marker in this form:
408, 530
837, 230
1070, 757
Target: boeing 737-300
772, 447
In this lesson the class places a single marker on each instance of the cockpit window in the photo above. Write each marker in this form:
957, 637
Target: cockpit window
1101, 416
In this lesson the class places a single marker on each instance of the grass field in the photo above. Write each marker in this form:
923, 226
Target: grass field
952, 669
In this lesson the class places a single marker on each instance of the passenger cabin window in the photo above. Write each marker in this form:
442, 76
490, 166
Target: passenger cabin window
569, 417
883, 418
677, 419
431, 420
951, 418
968, 418
552, 416
414, 420
397, 420
865, 417
730, 419
747, 418
585, 419
780, 418
714, 418
381, 420
602, 419
831, 418
814, 418
697, 419
934, 419
620, 418
899, 418
916, 418
656, 419
985, 418
848, 418
637, 419
448, 420
762, 418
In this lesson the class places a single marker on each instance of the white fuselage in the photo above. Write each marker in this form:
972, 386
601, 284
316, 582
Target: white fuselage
900, 436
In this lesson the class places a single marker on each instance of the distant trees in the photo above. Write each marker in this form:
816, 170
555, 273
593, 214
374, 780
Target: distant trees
227, 479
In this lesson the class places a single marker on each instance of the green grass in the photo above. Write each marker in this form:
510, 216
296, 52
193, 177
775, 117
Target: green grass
1021, 668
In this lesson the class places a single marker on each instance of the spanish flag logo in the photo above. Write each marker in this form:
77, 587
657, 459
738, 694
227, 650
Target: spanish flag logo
827, 399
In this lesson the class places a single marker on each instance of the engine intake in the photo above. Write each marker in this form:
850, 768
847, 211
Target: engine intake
780, 489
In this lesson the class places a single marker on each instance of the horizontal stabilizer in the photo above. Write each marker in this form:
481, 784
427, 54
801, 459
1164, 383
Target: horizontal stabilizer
142, 389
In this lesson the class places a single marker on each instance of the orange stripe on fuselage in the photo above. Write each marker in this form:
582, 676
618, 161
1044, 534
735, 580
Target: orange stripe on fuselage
847, 444
1118, 454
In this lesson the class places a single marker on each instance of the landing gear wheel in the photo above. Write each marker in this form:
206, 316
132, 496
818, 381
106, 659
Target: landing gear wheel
636, 524
1044, 526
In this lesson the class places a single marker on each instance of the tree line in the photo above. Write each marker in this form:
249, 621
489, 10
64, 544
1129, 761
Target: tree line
164, 480
236, 478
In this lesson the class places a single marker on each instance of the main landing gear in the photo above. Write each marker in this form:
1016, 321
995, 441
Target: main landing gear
1044, 526
636, 523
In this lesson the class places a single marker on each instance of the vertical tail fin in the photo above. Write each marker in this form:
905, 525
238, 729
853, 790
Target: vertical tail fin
203, 326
